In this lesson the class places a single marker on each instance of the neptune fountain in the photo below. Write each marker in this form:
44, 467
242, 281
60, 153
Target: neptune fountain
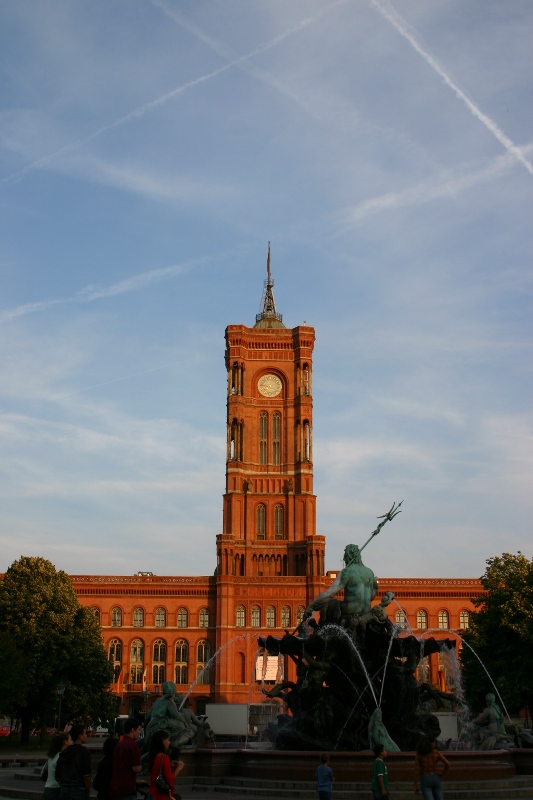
355, 678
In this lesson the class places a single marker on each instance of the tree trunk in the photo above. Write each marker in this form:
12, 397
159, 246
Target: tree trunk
42, 737
25, 722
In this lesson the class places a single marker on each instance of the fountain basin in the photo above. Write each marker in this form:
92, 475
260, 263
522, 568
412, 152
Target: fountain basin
212, 762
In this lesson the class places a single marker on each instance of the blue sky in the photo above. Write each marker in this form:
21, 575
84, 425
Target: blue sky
148, 153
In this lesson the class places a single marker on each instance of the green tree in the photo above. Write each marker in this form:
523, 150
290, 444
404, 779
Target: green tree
501, 634
52, 639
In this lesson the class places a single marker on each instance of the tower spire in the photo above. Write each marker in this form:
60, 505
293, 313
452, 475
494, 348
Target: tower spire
268, 316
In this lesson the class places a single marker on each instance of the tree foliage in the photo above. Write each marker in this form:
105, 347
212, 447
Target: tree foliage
51, 639
501, 634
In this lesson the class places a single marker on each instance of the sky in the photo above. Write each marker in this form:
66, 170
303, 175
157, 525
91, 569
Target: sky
149, 151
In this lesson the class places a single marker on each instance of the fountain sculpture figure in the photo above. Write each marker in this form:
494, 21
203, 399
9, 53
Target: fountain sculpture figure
355, 683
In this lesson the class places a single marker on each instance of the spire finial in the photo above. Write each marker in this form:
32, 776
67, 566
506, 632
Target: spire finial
268, 314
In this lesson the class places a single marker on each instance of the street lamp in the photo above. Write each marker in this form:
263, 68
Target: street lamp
60, 689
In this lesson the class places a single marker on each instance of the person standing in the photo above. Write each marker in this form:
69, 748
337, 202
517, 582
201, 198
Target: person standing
324, 778
52, 789
380, 778
426, 769
104, 770
126, 763
73, 768
159, 764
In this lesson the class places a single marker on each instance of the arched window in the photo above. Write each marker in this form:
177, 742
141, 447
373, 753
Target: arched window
263, 441
276, 438
305, 379
260, 521
183, 617
271, 617
96, 612
160, 650
137, 652
400, 618
306, 441
180, 661
236, 379
116, 618
421, 620
240, 617
285, 617
279, 531
256, 616
160, 618
204, 618
136, 661
464, 620
158, 668
300, 611
202, 657
444, 619
115, 657
138, 617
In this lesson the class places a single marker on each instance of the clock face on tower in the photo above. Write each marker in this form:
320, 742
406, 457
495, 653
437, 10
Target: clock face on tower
269, 385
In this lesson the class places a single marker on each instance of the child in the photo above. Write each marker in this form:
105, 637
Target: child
380, 778
324, 778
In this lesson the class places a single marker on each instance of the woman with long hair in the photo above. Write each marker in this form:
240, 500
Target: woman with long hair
159, 763
426, 769
102, 779
52, 789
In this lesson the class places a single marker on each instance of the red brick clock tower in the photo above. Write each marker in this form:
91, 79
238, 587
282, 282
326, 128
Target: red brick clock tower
268, 557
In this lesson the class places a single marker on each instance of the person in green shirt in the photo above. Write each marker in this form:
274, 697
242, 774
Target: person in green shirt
380, 778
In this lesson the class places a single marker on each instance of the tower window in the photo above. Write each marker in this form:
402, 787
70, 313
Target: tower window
305, 380
276, 438
271, 617
279, 532
285, 617
261, 521
263, 432
300, 611
240, 617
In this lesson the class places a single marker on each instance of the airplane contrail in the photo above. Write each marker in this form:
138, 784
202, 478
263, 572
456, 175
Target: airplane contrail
392, 16
91, 292
144, 109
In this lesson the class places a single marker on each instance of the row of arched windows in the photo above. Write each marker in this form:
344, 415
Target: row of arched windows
261, 526
161, 617
270, 617
140, 673
443, 619
269, 439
